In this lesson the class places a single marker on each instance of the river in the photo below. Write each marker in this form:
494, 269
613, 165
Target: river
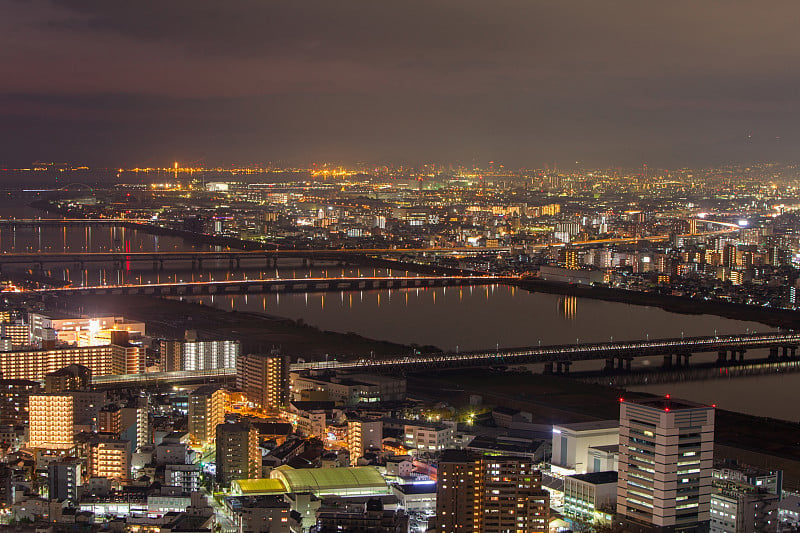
449, 318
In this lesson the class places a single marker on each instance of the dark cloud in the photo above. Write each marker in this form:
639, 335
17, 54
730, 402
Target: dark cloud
526, 81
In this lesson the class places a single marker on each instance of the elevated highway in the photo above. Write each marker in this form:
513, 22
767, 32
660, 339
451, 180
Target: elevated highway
618, 355
270, 257
233, 258
33, 222
273, 285
782, 348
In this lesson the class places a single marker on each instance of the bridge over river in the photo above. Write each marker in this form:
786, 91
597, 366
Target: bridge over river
617, 355
279, 285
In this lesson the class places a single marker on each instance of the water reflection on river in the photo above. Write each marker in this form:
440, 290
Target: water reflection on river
450, 318
472, 318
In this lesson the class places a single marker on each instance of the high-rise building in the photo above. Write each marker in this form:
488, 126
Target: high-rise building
52, 421
100, 360
17, 332
134, 358
745, 500
729, 255
109, 459
170, 352
69, 378
264, 379
64, 479
362, 435
109, 420
666, 449
238, 455
135, 423
490, 494
198, 355
14, 395
206, 411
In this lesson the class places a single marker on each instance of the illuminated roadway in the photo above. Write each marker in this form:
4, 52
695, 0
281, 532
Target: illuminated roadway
543, 354
250, 286
566, 353
331, 253
70, 221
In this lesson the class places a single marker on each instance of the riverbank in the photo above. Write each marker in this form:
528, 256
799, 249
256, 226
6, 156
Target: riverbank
167, 318
780, 318
248, 245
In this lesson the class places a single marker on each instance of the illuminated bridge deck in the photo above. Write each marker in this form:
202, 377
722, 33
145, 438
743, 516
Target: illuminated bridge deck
235, 256
566, 353
181, 376
275, 285
198, 257
28, 222
544, 354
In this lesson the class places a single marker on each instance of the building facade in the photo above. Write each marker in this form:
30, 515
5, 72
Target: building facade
238, 455
490, 494
264, 379
363, 435
52, 421
666, 449
572, 443
109, 459
206, 411
198, 355
100, 360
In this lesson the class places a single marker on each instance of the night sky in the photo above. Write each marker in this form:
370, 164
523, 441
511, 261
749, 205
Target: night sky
526, 83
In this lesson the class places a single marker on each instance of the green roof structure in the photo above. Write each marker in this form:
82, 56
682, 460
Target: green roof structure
257, 487
350, 481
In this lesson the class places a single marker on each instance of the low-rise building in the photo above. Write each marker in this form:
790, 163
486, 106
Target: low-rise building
370, 517
260, 514
416, 497
347, 389
428, 437
571, 443
591, 498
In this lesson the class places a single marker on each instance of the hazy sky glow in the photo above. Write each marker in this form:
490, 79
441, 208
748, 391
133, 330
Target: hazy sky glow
526, 82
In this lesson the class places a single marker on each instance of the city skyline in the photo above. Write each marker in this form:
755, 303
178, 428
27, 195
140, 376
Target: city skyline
528, 83
302, 266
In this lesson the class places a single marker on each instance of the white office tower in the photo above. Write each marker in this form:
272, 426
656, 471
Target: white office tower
666, 453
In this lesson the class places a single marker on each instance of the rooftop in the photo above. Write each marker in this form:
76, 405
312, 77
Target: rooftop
668, 403
314, 405
416, 488
610, 448
456, 456
590, 426
598, 478
325, 480
270, 501
205, 389
248, 487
